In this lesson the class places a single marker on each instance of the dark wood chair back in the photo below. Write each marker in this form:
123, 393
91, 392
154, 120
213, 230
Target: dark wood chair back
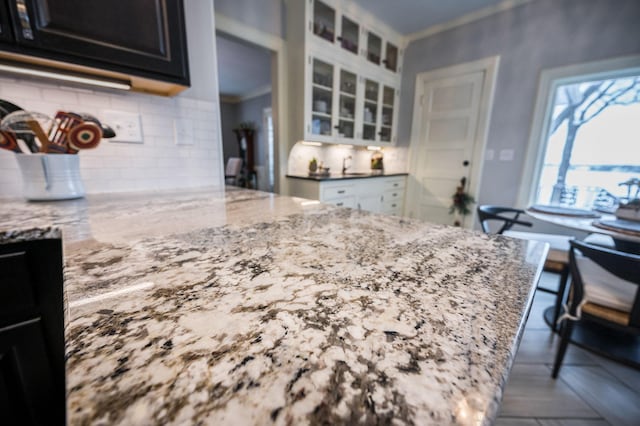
507, 216
623, 265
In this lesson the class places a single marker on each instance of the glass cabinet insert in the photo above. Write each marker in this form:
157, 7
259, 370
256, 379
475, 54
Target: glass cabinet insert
374, 48
321, 98
391, 60
349, 37
324, 18
387, 113
347, 113
370, 112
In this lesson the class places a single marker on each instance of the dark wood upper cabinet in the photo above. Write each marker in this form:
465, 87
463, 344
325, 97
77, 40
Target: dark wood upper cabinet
145, 38
5, 24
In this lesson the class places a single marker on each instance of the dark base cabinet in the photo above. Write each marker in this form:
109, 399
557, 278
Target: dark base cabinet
146, 38
32, 363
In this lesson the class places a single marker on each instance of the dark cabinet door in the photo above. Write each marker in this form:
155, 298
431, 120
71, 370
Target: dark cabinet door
143, 35
28, 393
5, 22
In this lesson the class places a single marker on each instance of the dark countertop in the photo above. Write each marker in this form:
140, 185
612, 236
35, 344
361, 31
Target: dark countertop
339, 176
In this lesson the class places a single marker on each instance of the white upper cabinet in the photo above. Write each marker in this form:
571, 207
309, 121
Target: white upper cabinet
351, 74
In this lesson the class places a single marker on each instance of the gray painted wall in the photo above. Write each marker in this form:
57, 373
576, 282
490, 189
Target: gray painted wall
539, 35
264, 15
229, 120
251, 110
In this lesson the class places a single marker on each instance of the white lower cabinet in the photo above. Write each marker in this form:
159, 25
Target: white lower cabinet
375, 194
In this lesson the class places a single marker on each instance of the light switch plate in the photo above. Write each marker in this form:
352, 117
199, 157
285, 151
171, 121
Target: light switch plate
126, 125
183, 132
506, 155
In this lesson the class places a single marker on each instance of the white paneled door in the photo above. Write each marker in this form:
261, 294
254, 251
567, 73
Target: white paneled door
447, 141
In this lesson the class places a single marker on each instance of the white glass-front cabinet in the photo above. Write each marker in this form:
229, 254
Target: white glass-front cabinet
336, 28
321, 100
379, 112
352, 74
346, 108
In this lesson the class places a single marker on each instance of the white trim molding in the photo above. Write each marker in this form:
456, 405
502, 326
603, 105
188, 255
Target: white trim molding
550, 79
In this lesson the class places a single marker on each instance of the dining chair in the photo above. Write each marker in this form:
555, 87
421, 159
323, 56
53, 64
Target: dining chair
557, 260
231, 172
604, 290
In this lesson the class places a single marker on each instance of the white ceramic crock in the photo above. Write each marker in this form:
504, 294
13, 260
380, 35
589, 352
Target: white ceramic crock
50, 176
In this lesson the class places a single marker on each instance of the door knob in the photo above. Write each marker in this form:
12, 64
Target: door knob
465, 163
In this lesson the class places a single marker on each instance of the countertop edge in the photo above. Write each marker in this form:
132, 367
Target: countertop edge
347, 177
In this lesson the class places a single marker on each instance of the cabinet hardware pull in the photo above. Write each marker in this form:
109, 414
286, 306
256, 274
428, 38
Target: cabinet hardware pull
23, 14
339, 204
341, 191
393, 205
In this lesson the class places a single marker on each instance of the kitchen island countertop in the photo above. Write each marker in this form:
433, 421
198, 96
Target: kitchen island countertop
243, 307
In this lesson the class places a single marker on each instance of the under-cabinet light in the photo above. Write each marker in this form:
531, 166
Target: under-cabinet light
309, 203
311, 143
374, 148
346, 146
75, 78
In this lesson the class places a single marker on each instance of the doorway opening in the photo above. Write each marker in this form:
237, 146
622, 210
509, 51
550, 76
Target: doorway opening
245, 86
450, 121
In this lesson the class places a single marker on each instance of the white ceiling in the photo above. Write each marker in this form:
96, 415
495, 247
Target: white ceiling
409, 16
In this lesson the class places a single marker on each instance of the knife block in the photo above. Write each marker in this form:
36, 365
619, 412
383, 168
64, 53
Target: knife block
47, 177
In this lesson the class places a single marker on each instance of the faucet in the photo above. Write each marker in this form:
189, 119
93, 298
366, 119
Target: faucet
344, 164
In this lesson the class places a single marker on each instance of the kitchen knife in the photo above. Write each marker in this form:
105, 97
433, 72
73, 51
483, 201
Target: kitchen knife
107, 131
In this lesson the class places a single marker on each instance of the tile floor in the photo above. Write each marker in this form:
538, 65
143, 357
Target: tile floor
590, 390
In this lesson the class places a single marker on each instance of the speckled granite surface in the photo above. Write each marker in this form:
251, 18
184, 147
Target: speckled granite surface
247, 308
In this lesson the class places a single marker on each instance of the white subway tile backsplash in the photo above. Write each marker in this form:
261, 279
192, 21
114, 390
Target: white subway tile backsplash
155, 164
93, 100
60, 96
120, 103
20, 92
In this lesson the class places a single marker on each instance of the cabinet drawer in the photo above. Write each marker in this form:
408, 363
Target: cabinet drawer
331, 192
394, 195
392, 205
344, 202
395, 183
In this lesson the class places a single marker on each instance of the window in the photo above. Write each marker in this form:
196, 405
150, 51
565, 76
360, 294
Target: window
588, 140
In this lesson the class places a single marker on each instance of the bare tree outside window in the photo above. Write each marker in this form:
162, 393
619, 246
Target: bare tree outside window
573, 160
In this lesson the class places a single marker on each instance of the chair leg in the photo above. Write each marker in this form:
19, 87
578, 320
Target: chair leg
564, 278
565, 334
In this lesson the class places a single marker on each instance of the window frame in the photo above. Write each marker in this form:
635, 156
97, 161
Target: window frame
550, 79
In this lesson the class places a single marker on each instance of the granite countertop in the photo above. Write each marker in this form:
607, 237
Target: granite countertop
349, 175
251, 308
